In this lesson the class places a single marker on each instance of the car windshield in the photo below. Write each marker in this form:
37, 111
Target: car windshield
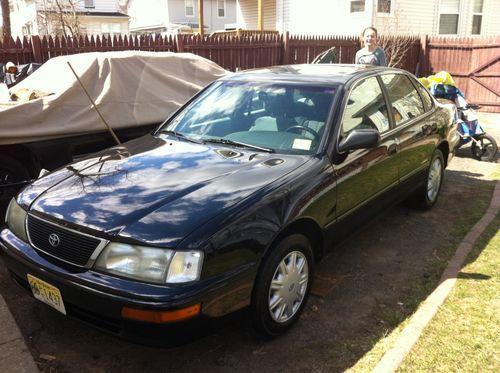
277, 117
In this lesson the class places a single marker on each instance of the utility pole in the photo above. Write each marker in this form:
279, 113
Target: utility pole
200, 17
260, 20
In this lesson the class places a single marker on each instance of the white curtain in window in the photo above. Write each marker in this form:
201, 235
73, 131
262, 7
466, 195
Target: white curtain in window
449, 6
477, 6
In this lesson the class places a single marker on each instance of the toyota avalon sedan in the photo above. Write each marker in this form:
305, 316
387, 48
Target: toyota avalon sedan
231, 202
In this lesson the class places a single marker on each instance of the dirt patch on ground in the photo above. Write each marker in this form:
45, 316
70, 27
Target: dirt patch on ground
364, 289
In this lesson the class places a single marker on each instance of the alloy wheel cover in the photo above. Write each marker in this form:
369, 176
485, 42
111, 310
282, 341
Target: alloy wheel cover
288, 287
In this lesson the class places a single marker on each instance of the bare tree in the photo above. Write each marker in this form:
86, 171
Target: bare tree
6, 34
395, 36
59, 17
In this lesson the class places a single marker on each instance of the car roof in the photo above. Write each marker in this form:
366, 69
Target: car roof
317, 73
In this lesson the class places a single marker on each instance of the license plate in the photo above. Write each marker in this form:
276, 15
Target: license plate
46, 293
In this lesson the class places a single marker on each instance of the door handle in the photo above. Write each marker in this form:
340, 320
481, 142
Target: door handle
393, 148
427, 129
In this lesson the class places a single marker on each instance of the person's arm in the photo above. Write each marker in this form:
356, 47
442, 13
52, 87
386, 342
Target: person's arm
381, 57
356, 58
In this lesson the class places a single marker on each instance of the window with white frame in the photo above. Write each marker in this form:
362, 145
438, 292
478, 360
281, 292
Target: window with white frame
477, 16
384, 6
357, 6
189, 8
221, 8
449, 11
89, 4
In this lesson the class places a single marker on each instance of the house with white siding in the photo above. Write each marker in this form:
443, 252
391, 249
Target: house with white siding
172, 16
39, 17
349, 17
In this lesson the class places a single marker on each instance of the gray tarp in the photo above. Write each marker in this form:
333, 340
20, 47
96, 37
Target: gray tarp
130, 88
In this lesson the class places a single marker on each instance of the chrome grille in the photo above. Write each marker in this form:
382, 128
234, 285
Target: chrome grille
63, 243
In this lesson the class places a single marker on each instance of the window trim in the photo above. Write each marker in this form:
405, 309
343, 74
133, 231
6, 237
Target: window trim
186, 7
224, 8
88, 4
358, 11
390, 13
449, 13
477, 14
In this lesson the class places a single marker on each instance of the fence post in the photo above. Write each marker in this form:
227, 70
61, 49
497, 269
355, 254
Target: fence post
36, 46
179, 43
286, 48
423, 57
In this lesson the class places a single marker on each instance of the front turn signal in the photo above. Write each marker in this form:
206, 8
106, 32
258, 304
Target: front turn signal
160, 317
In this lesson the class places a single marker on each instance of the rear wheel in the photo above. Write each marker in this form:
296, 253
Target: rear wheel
487, 149
282, 286
426, 197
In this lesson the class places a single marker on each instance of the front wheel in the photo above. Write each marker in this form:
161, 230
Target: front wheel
487, 148
426, 197
282, 286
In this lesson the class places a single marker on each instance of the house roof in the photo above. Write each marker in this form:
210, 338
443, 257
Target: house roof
105, 14
94, 14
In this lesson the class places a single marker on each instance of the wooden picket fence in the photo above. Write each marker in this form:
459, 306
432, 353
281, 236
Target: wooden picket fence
474, 62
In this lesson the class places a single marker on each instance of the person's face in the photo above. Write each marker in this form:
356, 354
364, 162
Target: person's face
370, 38
12, 70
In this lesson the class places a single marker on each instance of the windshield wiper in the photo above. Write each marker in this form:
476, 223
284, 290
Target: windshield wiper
238, 144
180, 135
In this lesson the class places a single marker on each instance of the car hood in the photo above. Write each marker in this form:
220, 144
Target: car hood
155, 190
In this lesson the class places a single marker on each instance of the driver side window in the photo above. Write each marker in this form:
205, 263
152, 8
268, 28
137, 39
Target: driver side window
365, 108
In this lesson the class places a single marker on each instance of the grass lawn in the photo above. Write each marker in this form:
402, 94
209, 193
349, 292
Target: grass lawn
464, 336
417, 291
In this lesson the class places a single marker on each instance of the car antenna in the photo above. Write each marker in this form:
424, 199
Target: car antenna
94, 105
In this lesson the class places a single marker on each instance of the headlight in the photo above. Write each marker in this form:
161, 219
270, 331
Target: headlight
150, 264
16, 220
185, 266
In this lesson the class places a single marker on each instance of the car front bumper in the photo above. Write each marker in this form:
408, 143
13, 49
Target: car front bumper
98, 299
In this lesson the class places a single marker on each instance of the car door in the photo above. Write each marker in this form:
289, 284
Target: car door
366, 174
415, 128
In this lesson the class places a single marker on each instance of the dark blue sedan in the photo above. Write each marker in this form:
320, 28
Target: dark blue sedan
232, 201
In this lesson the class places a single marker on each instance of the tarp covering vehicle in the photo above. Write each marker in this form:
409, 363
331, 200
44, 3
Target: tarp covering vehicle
130, 88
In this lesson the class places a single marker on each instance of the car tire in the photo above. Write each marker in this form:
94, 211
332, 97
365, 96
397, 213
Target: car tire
282, 286
426, 196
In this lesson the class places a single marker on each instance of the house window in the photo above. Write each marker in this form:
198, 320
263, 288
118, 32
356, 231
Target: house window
384, 6
189, 8
89, 4
477, 16
357, 6
449, 11
27, 29
221, 8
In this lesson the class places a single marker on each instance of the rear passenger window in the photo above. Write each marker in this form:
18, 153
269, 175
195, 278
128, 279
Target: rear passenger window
365, 108
426, 96
405, 100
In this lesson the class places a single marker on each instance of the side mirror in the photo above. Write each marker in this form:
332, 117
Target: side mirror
359, 139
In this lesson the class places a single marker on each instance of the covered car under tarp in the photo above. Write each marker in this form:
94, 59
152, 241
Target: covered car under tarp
130, 88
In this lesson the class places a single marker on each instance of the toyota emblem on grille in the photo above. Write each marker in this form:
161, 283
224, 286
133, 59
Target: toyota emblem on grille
54, 240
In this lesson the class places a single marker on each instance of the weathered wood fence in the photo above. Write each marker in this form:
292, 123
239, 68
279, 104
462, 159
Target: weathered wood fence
474, 62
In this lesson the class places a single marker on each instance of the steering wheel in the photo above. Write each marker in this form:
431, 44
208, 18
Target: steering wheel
304, 128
